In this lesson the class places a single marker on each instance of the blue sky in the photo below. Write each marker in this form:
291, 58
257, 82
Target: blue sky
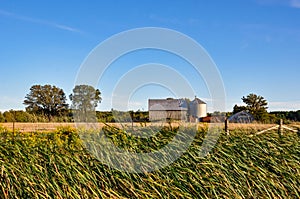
254, 43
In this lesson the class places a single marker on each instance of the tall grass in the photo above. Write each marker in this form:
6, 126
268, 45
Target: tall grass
56, 165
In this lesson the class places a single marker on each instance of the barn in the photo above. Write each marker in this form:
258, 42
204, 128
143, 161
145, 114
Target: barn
176, 109
163, 109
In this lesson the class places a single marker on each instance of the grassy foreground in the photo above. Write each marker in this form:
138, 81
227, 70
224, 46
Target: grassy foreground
55, 165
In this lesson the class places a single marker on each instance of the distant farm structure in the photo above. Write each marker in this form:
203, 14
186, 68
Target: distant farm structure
241, 117
176, 109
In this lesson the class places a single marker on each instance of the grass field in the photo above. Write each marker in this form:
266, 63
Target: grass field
55, 165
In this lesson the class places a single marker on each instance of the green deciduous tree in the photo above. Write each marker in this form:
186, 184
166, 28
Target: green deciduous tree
47, 100
85, 99
17, 116
9, 116
255, 102
237, 108
257, 106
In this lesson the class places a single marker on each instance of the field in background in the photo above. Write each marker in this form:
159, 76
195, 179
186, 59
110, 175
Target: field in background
33, 127
41, 127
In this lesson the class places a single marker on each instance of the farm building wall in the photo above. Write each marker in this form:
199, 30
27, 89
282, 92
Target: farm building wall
163, 115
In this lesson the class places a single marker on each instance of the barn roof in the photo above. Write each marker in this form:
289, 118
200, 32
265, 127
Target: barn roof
168, 104
241, 117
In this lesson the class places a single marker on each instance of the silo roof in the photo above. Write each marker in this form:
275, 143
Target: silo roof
198, 101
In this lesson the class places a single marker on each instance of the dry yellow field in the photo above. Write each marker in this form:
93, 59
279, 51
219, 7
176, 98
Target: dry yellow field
29, 127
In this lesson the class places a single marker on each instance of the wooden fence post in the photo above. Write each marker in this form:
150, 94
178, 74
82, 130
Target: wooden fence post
226, 126
14, 120
13, 127
280, 130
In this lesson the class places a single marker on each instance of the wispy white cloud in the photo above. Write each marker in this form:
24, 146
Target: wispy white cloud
284, 106
161, 19
272, 105
8, 102
295, 3
38, 21
174, 20
268, 33
244, 45
290, 3
121, 103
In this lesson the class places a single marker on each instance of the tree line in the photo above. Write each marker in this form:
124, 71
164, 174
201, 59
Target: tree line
48, 103
101, 116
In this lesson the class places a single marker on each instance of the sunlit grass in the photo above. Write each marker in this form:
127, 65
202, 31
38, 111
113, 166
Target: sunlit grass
55, 165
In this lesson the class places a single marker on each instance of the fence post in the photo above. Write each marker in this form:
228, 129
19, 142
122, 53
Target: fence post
14, 120
226, 126
280, 127
13, 127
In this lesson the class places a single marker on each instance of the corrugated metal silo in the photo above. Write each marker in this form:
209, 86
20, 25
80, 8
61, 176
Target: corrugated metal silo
198, 108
